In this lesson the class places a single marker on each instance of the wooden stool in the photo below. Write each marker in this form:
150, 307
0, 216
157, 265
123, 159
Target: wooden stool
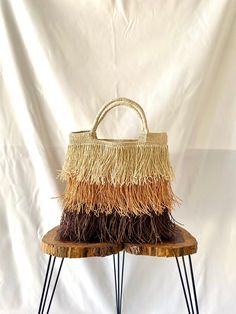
183, 244
53, 247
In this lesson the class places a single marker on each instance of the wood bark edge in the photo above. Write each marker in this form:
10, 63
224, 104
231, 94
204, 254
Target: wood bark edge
183, 244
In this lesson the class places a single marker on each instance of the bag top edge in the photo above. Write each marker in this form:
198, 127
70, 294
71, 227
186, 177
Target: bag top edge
82, 137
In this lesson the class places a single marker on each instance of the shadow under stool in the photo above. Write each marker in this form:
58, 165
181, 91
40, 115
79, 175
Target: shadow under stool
184, 244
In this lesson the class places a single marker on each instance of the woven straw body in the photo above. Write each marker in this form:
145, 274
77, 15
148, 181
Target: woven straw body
117, 190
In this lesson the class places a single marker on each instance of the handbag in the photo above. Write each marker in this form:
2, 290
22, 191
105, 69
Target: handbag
117, 190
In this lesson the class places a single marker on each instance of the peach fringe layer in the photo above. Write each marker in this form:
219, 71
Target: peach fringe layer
124, 199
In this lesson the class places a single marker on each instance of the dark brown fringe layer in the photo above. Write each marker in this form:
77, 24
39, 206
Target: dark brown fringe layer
81, 227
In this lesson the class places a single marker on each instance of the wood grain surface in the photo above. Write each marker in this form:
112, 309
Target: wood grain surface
53, 246
183, 244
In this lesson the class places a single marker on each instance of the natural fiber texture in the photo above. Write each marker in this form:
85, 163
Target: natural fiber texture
126, 199
119, 162
80, 227
117, 190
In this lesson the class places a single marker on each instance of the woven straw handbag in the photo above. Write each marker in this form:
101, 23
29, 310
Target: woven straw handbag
117, 190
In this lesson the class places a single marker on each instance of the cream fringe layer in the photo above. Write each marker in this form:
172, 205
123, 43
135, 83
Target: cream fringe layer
125, 199
118, 164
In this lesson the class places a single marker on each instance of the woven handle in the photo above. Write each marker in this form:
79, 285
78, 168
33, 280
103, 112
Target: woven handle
120, 102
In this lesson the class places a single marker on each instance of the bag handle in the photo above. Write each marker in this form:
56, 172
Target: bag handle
120, 102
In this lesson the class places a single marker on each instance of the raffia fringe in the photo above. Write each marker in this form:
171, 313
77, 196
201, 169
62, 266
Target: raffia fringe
119, 164
131, 199
81, 227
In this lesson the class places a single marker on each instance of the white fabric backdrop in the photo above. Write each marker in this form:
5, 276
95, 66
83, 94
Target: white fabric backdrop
62, 60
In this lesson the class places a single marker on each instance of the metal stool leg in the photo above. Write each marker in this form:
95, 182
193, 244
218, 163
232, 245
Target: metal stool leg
187, 282
188, 298
122, 279
119, 279
183, 286
46, 285
193, 284
115, 280
55, 285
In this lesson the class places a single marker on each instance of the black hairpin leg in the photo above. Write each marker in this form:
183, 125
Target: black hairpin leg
193, 284
46, 285
119, 279
186, 286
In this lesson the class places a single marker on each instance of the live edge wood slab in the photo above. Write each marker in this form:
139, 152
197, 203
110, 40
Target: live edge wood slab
53, 246
183, 244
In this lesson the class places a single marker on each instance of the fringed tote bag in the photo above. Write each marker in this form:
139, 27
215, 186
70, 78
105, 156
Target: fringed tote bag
117, 190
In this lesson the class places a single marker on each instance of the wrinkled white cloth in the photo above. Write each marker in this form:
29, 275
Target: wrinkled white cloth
61, 61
